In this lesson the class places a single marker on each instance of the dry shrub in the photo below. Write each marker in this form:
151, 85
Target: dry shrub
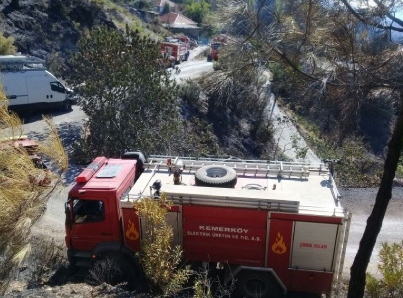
53, 147
46, 257
104, 271
206, 286
23, 190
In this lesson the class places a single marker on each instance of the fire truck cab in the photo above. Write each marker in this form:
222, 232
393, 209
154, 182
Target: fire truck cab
217, 43
273, 227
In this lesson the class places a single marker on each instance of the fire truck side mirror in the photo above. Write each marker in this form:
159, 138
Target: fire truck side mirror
69, 220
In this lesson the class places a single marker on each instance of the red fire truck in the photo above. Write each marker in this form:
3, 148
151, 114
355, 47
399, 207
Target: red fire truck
174, 51
217, 43
273, 227
186, 41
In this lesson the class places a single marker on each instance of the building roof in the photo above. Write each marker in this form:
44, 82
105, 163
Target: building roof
177, 20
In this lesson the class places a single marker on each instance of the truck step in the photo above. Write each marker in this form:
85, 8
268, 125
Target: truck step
84, 263
82, 254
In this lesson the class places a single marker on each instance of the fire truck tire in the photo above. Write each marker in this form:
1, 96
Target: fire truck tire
119, 269
256, 284
216, 176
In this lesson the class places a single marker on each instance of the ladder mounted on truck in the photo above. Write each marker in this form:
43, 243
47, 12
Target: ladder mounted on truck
294, 187
242, 167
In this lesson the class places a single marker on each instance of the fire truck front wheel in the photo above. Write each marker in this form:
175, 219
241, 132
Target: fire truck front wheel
257, 284
216, 176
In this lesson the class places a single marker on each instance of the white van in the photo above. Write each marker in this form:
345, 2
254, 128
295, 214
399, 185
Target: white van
30, 87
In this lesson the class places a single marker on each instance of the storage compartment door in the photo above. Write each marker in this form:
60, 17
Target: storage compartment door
313, 246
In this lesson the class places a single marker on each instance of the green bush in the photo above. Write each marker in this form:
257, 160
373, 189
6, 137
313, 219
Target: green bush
391, 268
160, 260
190, 92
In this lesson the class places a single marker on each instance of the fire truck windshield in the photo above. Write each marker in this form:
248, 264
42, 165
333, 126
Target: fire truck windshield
85, 211
215, 46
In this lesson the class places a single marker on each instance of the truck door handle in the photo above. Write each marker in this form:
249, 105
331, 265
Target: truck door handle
106, 234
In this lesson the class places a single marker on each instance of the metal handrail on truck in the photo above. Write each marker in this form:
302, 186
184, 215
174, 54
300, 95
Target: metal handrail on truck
242, 167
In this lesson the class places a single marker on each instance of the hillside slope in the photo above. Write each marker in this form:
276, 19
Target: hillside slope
49, 29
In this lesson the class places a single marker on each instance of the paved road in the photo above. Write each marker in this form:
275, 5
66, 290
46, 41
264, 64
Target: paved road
196, 66
360, 203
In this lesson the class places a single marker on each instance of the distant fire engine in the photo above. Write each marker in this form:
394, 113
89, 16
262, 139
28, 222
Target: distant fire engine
273, 227
175, 50
217, 43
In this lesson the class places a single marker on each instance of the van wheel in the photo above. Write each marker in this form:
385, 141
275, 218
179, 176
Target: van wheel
216, 176
66, 106
257, 284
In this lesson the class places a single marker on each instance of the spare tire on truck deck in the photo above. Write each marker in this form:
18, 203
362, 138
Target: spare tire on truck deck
216, 176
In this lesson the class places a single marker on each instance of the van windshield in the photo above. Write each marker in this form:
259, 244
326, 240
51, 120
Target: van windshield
57, 87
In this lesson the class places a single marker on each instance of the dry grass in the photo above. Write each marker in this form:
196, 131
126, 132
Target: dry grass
22, 191
53, 147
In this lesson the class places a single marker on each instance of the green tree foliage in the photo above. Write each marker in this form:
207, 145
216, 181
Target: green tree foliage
318, 49
160, 259
197, 11
237, 100
344, 60
166, 8
131, 102
7, 45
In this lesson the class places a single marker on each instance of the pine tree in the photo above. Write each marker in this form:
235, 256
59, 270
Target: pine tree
131, 102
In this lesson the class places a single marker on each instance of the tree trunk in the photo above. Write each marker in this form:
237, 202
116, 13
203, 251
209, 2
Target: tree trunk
374, 223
